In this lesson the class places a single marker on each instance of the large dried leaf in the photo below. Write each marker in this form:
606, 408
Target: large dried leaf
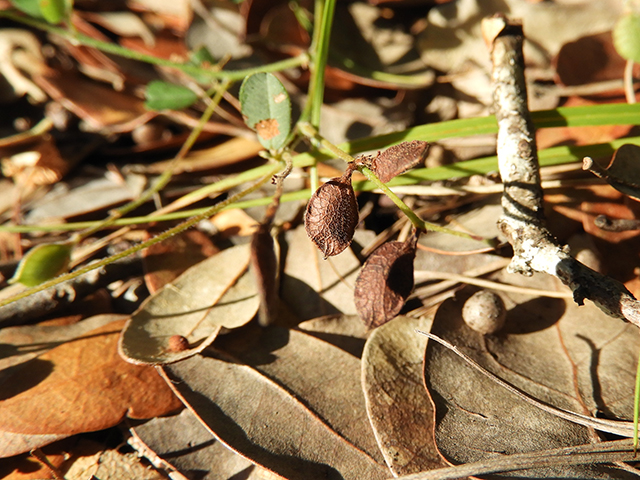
324, 377
218, 292
256, 417
399, 407
81, 386
313, 287
344, 331
182, 441
165, 261
20, 344
572, 357
12, 444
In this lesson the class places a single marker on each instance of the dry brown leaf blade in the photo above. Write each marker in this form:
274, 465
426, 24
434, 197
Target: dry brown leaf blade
398, 159
182, 441
326, 378
22, 343
82, 386
385, 281
399, 407
266, 424
533, 357
185, 316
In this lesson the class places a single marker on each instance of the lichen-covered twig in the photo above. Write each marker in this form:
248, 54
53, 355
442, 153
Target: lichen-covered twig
522, 222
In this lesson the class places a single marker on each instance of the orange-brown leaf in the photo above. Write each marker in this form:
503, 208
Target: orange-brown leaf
82, 386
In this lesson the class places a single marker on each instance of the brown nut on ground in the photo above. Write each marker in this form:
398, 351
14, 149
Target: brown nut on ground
484, 312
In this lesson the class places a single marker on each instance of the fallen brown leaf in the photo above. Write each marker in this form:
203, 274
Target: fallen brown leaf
82, 386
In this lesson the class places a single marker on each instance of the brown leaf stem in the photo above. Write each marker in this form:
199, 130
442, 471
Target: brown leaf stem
522, 221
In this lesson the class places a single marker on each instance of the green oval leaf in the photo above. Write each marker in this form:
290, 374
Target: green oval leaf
626, 37
168, 96
42, 263
266, 107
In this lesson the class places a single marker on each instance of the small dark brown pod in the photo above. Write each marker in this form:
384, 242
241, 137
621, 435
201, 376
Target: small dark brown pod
484, 312
385, 282
398, 159
331, 217
264, 267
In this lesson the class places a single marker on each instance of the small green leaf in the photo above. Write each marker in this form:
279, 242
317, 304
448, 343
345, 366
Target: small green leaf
626, 37
168, 96
266, 107
55, 11
42, 263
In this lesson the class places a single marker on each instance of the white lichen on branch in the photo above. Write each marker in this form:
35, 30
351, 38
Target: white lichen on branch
522, 222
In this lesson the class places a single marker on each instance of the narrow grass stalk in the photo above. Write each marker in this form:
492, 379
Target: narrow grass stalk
164, 179
141, 246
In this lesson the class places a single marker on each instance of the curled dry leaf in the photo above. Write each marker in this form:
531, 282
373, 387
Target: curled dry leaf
399, 407
218, 292
264, 266
385, 281
398, 159
332, 215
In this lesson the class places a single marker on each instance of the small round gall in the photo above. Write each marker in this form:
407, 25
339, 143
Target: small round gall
484, 312
178, 343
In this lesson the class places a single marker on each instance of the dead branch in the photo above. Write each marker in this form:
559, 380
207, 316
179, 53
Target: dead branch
522, 221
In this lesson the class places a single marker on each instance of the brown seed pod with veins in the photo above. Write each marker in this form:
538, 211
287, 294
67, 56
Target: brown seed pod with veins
385, 281
331, 217
397, 159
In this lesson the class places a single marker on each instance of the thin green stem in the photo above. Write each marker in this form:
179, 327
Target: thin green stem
164, 179
312, 133
116, 49
141, 246
413, 218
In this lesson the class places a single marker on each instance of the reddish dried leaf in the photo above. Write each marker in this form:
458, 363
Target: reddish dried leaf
398, 159
264, 266
82, 386
332, 215
385, 282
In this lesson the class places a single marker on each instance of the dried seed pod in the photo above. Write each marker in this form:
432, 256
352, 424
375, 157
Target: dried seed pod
332, 215
385, 281
484, 312
398, 159
264, 267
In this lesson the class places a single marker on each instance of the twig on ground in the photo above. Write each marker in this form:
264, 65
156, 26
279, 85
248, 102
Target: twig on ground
522, 221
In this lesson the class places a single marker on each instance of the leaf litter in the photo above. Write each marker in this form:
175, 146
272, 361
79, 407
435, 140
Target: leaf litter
334, 398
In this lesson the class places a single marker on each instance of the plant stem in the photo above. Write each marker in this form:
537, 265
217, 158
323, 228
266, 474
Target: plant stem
141, 246
115, 49
164, 179
312, 133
